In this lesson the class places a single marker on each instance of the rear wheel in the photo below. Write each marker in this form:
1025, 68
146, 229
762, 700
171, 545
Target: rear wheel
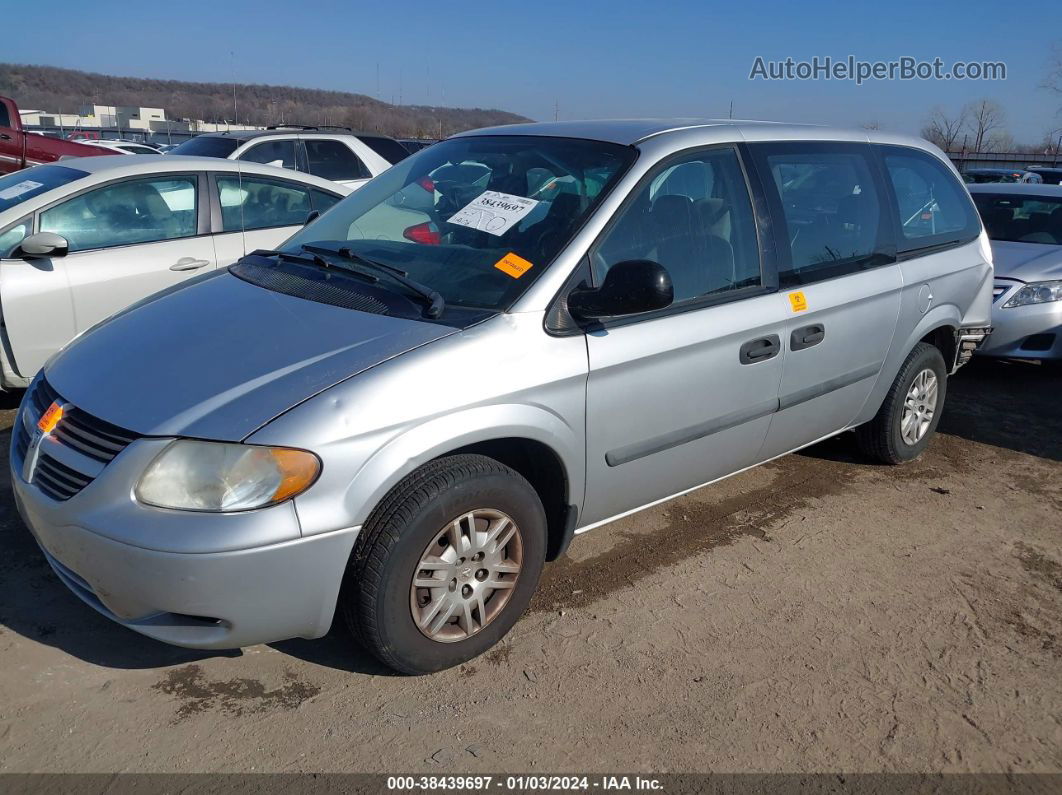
446, 564
909, 415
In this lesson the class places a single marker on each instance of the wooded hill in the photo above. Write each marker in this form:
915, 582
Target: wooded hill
66, 90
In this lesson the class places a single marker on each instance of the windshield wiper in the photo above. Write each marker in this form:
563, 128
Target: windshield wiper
313, 259
436, 304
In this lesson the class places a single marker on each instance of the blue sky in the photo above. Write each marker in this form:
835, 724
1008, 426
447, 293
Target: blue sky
586, 58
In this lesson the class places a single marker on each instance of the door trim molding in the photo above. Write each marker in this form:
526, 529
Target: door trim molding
658, 444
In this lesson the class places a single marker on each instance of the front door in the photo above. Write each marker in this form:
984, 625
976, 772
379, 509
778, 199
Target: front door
685, 395
128, 239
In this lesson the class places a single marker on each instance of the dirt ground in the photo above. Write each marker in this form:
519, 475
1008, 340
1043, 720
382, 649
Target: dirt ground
816, 614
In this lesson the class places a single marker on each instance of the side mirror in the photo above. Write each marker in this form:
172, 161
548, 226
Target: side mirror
44, 244
630, 288
311, 217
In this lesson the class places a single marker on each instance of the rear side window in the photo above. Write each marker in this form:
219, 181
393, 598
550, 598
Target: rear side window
933, 206
832, 208
333, 160
256, 203
272, 153
387, 148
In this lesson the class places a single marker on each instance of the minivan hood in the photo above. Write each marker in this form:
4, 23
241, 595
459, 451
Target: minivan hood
220, 357
1030, 262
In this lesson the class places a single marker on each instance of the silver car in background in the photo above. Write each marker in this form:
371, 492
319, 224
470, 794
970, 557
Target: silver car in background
1024, 223
513, 336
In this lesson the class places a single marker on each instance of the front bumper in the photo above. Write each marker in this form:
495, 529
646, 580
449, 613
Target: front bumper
1024, 332
203, 599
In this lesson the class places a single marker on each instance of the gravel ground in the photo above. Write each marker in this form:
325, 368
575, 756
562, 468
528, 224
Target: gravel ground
817, 613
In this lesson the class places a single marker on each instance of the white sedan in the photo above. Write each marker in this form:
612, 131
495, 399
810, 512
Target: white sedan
84, 238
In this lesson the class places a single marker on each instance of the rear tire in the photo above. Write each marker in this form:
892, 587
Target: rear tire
469, 529
909, 415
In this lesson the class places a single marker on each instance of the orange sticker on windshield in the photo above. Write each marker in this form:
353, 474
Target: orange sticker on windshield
513, 265
798, 302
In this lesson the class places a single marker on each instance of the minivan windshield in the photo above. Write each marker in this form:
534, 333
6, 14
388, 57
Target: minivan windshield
475, 218
1021, 218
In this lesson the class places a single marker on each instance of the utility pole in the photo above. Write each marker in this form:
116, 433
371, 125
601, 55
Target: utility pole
556, 110
731, 110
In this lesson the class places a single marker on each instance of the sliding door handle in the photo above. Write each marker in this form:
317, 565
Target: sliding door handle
760, 349
807, 336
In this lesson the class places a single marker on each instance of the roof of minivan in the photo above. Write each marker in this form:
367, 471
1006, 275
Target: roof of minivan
629, 132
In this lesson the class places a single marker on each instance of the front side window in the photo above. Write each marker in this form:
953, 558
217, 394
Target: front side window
1021, 218
13, 235
272, 153
258, 203
124, 213
333, 160
831, 208
695, 218
934, 208
5, 119
476, 218
323, 200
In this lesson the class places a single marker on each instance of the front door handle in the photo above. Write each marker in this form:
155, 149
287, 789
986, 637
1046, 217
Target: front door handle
807, 336
760, 349
189, 264
5, 137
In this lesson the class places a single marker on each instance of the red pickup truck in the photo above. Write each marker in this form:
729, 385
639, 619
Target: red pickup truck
21, 150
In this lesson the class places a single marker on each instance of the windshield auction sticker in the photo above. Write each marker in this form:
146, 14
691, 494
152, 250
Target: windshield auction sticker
513, 265
26, 186
492, 212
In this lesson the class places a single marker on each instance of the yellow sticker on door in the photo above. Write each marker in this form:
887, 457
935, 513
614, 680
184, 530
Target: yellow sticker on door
513, 265
798, 301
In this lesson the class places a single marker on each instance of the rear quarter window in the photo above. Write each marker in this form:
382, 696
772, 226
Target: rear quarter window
933, 207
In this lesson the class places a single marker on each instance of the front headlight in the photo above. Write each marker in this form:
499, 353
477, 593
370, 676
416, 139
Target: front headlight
216, 476
1036, 293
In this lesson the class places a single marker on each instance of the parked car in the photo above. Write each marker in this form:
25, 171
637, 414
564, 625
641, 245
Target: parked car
20, 150
404, 427
414, 145
977, 176
1024, 223
81, 239
129, 147
1050, 175
333, 153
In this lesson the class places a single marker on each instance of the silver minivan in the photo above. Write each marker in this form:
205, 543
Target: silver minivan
514, 336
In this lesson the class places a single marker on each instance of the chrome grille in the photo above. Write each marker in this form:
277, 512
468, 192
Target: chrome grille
77, 430
57, 480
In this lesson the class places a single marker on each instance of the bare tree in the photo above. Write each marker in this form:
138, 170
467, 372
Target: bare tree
943, 129
870, 125
986, 117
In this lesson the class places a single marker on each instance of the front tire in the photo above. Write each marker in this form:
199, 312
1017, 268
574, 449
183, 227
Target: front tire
445, 565
909, 415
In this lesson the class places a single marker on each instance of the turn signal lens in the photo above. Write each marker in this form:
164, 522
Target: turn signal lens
213, 476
